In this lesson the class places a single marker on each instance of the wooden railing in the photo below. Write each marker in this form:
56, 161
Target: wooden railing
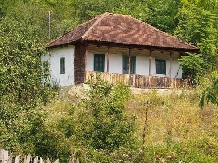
137, 81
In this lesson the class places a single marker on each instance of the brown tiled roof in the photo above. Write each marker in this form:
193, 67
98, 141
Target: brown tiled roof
121, 29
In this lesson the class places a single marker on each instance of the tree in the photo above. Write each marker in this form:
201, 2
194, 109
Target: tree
20, 83
209, 89
162, 14
198, 26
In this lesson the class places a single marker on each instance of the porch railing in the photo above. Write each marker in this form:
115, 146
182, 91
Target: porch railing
137, 81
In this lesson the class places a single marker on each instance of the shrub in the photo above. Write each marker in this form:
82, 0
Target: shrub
103, 122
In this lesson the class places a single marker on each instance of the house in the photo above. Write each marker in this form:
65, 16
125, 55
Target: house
122, 48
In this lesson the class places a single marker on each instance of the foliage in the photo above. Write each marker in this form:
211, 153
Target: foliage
106, 125
162, 14
20, 83
102, 127
191, 64
88, 9
198, 26
176, 129
203, 150
209, 88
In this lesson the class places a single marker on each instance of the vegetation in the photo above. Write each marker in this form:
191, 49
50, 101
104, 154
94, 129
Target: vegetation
109, 124
155, 126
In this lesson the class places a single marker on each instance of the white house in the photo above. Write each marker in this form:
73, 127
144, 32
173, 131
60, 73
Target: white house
122, 48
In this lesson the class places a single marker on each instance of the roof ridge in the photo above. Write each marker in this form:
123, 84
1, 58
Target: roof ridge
95, 23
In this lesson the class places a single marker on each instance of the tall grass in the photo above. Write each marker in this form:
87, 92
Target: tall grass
170, 126
172, 123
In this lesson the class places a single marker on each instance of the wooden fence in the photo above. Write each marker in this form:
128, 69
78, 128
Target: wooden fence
137, 81
6, 157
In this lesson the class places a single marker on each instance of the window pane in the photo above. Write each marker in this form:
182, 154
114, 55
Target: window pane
99, 60
126, 64
62, 65
132, 64
160, 66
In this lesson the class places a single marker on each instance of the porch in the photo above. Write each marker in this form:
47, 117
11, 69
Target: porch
137, 81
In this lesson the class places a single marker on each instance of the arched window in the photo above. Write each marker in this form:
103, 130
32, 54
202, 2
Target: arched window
62, 65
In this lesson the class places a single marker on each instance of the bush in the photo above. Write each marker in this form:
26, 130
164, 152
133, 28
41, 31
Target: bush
103, 122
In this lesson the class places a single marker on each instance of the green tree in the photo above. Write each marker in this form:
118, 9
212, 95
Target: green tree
20, 83
209, 89
162, 14
198, 26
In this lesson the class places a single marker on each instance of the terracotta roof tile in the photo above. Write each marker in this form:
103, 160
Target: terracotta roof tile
121, 29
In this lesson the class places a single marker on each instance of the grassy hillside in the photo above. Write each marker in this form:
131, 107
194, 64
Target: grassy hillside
169, 127
176, 128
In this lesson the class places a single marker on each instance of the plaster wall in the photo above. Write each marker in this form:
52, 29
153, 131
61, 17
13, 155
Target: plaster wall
142, 65
116, 63
53, 59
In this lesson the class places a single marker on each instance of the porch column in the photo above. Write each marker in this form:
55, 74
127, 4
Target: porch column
86, 53
170, 64
108, 56
149, 63
80, 59
129, 64
129, 60
171, 80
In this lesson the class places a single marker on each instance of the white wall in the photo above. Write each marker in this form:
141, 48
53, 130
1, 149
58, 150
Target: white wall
176, 69
116, 63
90, 62
53, 58
142, 65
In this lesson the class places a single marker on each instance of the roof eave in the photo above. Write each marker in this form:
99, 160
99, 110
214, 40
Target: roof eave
106, 43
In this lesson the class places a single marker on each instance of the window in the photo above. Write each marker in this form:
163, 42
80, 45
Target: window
126, 64
160, 66
62, 65
99, 61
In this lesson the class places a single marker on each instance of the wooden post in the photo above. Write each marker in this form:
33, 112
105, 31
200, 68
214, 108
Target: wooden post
129, 64
108, 56
36, 159
149, 70
49, 25
170, 64
149, 63
27, 159
172, 84
85, 60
